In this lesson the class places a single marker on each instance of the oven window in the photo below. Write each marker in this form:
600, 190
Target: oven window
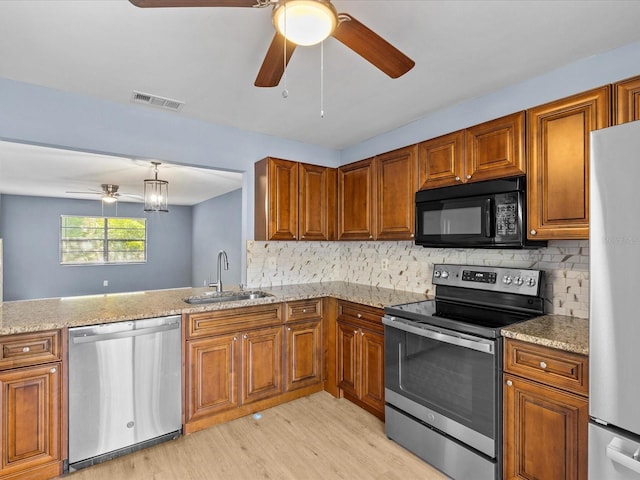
452, 221
455, 381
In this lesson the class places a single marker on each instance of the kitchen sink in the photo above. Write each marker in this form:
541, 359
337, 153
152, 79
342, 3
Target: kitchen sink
216, 297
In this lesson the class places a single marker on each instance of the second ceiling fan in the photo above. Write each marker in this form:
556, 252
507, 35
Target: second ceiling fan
341, 26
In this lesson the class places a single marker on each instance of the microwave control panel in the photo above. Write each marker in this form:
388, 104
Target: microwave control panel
507, 215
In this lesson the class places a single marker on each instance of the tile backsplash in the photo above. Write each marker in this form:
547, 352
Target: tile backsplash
409, 267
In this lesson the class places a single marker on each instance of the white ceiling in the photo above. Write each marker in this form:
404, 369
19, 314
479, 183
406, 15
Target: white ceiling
52, 172
209, 58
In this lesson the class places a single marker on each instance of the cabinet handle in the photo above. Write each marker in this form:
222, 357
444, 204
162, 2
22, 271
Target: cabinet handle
288, 329
361, 333
509, 383
294, 237
245, 336
543, 364
235, 339
355, 332
359, 315
412, 235
53, 370
26, 349
468, 177
533, 232
304, 310
370, 236
302, 236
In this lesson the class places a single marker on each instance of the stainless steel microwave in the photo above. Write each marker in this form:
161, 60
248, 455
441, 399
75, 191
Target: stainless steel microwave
489, 214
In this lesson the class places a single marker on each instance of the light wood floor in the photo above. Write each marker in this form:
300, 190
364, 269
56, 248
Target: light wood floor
316, 437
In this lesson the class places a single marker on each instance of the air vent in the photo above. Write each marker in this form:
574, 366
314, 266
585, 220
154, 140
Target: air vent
156, 101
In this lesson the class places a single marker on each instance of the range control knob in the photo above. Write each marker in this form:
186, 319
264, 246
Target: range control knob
445, 274
436, 273
531, 282
518, 281
507, 279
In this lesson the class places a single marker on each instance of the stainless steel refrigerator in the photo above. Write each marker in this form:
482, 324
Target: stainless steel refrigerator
614, 318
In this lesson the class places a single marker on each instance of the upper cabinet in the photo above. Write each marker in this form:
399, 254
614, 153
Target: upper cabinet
626, 95
493, 149
558, 164
356, 198
376, 197
294, 201
396, 174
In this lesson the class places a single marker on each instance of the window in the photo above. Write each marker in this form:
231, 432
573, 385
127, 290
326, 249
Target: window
102, 240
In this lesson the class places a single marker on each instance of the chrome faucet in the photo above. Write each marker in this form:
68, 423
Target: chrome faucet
221, 255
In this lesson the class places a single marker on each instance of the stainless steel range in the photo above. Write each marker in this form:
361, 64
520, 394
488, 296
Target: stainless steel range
443, 366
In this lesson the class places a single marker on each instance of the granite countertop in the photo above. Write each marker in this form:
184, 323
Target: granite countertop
47, 314
556, 331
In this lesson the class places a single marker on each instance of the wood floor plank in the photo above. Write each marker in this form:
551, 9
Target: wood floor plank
315, 437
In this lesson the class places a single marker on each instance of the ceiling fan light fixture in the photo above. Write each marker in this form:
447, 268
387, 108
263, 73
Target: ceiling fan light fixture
156, 193
305, 22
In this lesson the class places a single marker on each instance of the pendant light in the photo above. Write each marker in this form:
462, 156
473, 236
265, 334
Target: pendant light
156, 193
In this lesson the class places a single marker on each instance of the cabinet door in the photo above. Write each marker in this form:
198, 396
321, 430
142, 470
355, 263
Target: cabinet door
304, 354
356, 201
396, 187
211, 376
30, 421
276, 199
316, 202
372, 368
261, 364
558, 168
545, 432
441, 161
626, 100
347, 358
495, 149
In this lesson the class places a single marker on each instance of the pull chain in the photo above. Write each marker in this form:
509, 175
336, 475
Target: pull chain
322, 79
285, 92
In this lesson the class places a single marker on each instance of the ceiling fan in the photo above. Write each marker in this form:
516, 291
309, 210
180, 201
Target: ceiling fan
341, 26
109, 193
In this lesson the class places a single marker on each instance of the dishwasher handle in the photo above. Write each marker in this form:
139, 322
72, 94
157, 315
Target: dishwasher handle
100, 337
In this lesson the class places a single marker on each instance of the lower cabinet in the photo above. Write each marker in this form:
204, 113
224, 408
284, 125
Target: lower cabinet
360, 356
239, 361
546, 413
31, 423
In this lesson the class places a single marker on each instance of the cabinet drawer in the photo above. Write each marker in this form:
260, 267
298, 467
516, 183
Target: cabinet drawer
232, 320
553, 367
361, 315
30, 349
303, 310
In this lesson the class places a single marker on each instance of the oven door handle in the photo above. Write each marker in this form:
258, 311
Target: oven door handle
480, 345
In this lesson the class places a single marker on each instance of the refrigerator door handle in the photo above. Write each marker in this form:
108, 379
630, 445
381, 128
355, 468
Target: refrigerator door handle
615, 453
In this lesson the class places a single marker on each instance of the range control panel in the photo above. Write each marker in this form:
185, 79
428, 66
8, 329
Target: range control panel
499, 279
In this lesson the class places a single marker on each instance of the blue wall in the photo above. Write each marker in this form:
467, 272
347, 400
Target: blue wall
32, 269
217, 224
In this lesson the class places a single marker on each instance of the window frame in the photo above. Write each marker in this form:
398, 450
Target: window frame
105, 239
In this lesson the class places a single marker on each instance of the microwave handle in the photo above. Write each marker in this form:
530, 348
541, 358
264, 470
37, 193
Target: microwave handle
488, 218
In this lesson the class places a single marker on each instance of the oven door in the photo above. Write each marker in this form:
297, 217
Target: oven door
456, 222
445, 379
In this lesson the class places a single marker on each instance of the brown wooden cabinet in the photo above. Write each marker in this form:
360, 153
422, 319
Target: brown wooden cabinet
241, 360
396, 185
31, 405
356, 200
558, 164
626, 99
294, 201
490, 150
360, 356
546, 413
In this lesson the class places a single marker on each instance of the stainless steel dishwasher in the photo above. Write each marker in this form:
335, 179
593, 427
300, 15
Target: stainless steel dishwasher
124, 388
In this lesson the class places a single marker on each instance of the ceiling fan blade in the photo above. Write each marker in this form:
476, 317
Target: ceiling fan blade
85, 192
273, 65
194, 3
372, 47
